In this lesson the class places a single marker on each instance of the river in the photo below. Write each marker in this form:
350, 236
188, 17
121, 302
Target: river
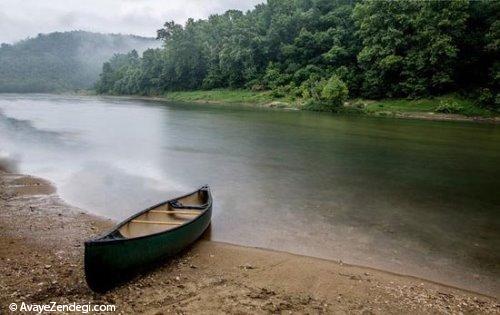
413, 197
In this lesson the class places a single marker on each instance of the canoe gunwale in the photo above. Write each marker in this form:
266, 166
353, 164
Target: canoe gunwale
101, 240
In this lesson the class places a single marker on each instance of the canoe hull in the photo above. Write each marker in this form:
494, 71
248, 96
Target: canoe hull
113, 262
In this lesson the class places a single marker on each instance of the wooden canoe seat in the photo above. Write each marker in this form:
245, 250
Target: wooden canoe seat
190, 212
167, 216
157, 222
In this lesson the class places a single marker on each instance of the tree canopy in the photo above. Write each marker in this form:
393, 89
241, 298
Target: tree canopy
372, 49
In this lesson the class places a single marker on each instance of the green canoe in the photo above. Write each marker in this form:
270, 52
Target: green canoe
160, 231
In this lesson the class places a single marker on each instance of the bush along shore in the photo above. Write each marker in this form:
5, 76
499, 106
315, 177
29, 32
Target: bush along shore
318, 54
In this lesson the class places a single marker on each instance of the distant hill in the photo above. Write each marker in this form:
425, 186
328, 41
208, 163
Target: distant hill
62, 61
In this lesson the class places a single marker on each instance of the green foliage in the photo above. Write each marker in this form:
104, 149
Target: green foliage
449, 107
478, 73
334, 91
486, 98
223, 96
409, 47
61, 61
455, 103
324, 95
315, 49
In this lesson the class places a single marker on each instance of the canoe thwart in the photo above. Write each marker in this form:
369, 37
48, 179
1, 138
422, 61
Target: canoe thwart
157, 222
176, 212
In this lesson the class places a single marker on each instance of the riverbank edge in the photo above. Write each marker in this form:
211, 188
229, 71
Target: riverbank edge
55, 270
361, 107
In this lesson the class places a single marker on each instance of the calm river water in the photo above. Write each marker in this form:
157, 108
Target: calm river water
413, 197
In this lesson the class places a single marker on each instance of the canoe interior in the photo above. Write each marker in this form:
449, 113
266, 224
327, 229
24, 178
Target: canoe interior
167, 216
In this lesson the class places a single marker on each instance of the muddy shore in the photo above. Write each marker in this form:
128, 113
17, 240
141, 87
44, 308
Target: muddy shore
41, 261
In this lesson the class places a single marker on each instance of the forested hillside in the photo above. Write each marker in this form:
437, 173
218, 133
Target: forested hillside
61, 61
325, 50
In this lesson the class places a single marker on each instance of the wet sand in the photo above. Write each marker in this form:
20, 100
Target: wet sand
41, 260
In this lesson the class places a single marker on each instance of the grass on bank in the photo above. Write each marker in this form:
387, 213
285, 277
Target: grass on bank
448, 104
224, 96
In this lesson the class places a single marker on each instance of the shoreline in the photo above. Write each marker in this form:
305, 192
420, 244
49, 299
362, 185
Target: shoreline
348, 109
288, 106
42, 242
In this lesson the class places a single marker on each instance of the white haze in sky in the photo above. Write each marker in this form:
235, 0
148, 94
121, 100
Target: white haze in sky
20, 19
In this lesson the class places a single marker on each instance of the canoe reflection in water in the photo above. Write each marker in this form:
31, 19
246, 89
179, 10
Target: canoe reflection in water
142, 240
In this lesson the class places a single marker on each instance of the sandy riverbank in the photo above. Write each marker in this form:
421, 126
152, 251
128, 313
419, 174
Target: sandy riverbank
41, 257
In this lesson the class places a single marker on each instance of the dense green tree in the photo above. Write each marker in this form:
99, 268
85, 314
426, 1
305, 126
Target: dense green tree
312, 48
478, 70
409, 47
334, 91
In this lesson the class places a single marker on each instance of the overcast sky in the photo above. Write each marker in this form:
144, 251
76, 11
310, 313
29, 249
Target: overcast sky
20, 19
